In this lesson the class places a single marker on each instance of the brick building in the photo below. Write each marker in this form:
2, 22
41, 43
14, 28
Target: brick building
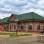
28, 22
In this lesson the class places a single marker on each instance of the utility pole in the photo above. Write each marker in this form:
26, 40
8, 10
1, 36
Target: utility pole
16, 26
16, 30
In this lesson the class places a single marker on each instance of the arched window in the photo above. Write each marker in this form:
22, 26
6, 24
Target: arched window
30, 26
4, 26
38, 27
22, 27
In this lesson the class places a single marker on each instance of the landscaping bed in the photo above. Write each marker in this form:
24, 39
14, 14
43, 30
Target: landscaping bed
21, 35
14, 34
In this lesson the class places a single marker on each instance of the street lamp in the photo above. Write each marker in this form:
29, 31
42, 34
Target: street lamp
16, 26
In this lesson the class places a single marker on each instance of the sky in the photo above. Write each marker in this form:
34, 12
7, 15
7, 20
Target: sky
8, 7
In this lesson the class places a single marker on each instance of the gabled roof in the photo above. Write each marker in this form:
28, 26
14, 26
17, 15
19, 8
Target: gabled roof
26, 16
17, 16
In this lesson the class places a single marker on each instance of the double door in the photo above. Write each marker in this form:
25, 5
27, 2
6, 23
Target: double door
12, 26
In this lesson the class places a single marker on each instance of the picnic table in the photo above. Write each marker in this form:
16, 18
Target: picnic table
40, 38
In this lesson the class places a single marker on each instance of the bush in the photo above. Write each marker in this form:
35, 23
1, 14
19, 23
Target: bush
3, 33
25, 35
12, 35
6, 33
21, 35
30, 34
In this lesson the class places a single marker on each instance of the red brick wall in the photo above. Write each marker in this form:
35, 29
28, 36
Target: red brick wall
34, 25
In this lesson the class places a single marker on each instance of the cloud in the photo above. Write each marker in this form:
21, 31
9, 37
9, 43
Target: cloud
38, 11
41, 2
2, 1
8, 7
4, 15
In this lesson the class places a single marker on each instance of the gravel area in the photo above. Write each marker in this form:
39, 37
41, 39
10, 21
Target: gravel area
18, 40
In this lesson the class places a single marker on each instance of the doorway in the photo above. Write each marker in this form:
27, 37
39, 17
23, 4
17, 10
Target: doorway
12, 26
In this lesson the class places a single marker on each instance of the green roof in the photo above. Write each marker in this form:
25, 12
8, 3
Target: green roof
4, 20
26, 16
17, 16
29, 16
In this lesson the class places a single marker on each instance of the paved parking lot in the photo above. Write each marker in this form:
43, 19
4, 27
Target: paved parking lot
18, 40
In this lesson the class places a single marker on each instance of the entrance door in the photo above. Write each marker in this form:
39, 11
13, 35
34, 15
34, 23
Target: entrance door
12, 26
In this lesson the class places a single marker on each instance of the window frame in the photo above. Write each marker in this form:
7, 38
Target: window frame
5, 27
30, 27
38, 27
22, 27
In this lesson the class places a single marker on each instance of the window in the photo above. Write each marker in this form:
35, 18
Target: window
4, 26
38, 27
22, 27
30, 27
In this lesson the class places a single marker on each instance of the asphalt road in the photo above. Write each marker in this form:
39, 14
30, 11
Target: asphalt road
18, 40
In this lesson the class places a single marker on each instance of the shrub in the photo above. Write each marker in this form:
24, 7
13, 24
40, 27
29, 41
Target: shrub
26, 34
21, 35
30, 34
12, 35
4, 33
